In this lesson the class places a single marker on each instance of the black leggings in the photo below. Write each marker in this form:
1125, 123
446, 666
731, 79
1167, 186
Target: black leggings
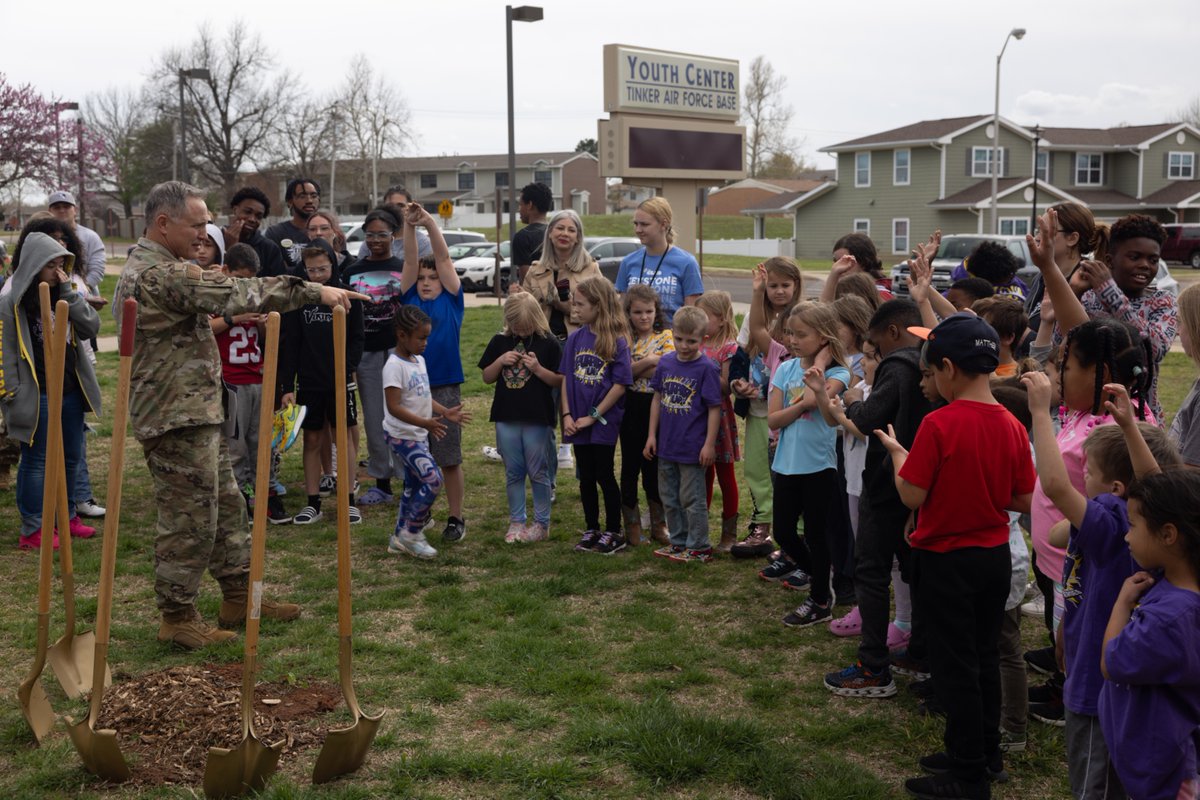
595, 463
635, 427
809, 496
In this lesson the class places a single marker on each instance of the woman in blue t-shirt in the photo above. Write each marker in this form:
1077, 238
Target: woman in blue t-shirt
667, 269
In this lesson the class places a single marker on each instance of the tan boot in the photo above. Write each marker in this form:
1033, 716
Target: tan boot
658, 523
187, 630
633, 525
233, 609
729, 534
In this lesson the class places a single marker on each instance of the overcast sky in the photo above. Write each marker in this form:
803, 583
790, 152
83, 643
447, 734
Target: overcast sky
853, 68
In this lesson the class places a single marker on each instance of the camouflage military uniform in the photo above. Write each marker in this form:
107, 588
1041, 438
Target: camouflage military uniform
175, 409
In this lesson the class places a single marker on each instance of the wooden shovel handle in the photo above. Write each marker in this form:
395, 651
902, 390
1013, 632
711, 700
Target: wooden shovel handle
345, 472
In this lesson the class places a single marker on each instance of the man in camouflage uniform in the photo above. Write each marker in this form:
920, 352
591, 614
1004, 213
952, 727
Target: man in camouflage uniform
175, 408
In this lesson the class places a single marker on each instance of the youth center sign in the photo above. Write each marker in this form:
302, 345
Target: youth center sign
644, 81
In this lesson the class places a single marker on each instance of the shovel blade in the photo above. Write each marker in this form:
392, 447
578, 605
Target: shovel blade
73, 662
245, 768
346, 749
35, 705
99, 751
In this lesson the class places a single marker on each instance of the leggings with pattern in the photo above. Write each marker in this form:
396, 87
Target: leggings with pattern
422, 483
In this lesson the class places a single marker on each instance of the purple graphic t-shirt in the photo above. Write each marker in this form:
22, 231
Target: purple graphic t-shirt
588, 378
686, 390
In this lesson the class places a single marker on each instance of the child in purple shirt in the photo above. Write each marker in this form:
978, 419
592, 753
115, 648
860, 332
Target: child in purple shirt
1150, 704
1097, 563
685, 415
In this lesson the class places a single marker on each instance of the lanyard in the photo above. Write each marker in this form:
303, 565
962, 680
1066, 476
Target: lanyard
642, 272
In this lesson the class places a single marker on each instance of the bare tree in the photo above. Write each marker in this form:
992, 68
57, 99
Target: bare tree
377, 118
304, 139
231, 115
767, 117
118, 118
1190, 113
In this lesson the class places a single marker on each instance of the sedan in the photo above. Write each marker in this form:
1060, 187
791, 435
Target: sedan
465, 249
609, 252
477, 272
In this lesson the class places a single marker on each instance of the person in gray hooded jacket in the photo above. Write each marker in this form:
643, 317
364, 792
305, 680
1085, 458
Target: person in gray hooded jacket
23, 379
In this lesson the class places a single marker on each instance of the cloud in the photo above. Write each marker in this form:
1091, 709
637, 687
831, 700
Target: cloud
1113, 104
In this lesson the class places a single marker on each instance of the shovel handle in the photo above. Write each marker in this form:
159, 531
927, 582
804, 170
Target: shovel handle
128, 324
341, 438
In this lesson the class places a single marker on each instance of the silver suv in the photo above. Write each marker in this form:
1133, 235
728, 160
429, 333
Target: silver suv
954, 248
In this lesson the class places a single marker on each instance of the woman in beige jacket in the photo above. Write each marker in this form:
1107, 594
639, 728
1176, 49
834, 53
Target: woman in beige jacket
564, 263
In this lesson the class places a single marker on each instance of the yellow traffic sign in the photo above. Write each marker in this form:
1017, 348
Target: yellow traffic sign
445, 209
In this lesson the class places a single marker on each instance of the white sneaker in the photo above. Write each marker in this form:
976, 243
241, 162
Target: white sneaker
565, 459
1035, 608
492, 454
412, 544
89, 508
355, 515
307, 516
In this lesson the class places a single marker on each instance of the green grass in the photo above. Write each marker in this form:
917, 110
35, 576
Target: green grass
517, 671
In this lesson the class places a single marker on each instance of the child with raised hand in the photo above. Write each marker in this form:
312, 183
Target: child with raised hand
596, 369
776, 287
651, 341
805, 465
1150, 702
412, 416
968, 466
521, 361
685, 416
431, 284
720, 345
1097, 562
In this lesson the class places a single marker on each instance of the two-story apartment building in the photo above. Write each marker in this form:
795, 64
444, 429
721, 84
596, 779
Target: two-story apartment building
900, 185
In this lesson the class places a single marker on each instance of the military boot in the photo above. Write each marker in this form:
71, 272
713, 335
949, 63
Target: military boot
729, 534
233, 608
188, 630
633, 525
658, 522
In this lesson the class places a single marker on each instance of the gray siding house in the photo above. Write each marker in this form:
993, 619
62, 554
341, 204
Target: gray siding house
900, 185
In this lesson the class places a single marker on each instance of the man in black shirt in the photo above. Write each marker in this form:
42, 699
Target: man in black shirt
535, 203
250, 206
303, 197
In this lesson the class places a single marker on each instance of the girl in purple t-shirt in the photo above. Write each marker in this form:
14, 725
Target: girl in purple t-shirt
596, 369
1150, 703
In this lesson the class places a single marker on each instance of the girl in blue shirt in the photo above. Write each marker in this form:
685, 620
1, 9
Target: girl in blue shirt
670, 271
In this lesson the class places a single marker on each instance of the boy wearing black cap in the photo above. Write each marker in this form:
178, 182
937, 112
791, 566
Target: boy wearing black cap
969, 465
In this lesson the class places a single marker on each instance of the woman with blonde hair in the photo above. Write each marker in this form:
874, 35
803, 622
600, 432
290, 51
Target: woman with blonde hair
553, 277
665, 268
522, 361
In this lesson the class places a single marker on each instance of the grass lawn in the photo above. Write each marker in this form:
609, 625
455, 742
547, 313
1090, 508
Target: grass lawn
511, 671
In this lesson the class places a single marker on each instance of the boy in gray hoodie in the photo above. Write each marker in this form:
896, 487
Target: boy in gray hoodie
23, 379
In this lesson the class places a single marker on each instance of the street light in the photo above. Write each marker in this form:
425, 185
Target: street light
518, 14
1015, 33
58, 109
196, 73
1037, 137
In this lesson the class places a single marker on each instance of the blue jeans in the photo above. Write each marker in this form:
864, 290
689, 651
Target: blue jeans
422, 483
31, 472
682, 489
523, 446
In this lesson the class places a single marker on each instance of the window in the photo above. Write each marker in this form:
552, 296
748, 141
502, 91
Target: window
1043, 166
862, 169
428, 180
1089, 169
1181, 166
862, 226
900, 236
602, 250
1014, 226
466, 181
543, 176
502, 179
900, 162
981, 162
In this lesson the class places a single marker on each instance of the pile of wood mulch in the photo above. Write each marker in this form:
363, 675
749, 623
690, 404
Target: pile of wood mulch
166, 721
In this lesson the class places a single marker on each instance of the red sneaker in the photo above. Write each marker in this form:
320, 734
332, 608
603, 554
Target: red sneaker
34, 540
79, 530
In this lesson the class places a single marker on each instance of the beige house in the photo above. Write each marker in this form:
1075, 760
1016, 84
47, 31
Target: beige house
899, 185
732, 198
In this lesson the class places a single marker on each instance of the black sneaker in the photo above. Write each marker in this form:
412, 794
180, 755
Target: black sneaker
1042, 660
903, 664
946, 787
1049, 692
455, 531
810, 612
1051, 713
587, 542
777, 570
609, 543
941, 764
327, 486
922, 690
797, 581
858, 681
276, 514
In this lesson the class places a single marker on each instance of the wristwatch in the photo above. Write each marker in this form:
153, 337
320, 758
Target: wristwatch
596, 415
228, 320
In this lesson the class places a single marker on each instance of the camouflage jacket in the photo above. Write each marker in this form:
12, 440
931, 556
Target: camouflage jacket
176, 366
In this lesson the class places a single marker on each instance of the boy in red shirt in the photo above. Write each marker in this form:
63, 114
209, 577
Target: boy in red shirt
969, 465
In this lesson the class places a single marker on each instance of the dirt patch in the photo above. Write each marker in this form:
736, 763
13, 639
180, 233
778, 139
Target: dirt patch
167, 720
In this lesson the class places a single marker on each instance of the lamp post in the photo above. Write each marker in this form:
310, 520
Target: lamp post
58, 109
1037, 140
518, 14
196, 73
1015, 33
334, 121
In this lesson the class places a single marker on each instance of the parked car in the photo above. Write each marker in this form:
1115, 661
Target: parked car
476, 272
465, 249
462, 237
609, 250
355, 236
1182, 244
954, 248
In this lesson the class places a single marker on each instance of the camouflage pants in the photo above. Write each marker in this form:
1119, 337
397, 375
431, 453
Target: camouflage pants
201, 515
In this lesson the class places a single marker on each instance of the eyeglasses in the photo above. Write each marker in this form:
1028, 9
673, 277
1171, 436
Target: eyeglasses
378, 235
